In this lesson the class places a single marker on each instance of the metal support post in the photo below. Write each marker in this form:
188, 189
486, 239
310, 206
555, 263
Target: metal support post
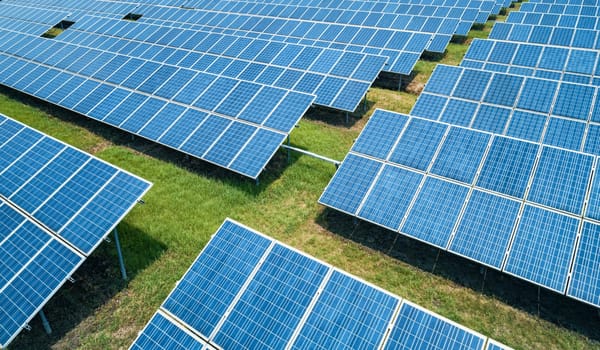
346, 117
120, 254
289, 157
45, 322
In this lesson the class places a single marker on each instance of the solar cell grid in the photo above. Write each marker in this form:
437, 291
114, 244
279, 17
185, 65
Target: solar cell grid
127, 109
309, 304
542, 247
53, 213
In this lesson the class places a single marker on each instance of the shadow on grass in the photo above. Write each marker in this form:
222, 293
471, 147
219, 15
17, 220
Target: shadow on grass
548, 305
118, 137
97, 281
339, 118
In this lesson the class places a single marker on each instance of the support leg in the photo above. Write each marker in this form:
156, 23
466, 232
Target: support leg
346, 118
45, 322
120, 254
288, 150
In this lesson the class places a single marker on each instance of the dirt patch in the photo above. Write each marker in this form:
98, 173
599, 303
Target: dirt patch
415, 87
99, 147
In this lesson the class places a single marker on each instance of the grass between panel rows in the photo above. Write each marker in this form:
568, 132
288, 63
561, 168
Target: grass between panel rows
190, 200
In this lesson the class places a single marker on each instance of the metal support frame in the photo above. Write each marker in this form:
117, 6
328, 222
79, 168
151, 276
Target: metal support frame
346, 117
120, 254
45, 322
314, 155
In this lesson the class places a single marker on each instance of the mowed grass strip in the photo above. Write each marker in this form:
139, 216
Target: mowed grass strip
190, 199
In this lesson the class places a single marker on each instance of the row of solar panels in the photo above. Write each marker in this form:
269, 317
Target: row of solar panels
510, 204
554, 113
57, 204
407, 17
534, 60
235, 124
523, 198
338, 79
247, 291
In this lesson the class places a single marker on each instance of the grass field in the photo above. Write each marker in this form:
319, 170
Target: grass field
190, 199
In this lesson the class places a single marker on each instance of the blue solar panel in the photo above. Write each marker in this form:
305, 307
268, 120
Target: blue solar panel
537, 95
461, 154
162, 333
348, 315
278, 296
574, 101
542, 248
380, 134
508, 166
561, 179
357, 172
485, 229
418, 143
53, 186
245, 290
527, 126
593, 206
585, 278
229, 259
565, 133
459, 112
503, 89
392, 193
435, 211
416, 328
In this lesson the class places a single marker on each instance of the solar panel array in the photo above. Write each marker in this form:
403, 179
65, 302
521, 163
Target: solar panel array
497, 161
57, 204
232, 123
513, 205
556, 113
246, 290
534, 60
338, 79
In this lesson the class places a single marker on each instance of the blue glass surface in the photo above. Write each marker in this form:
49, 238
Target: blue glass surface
435, 211
508, 166
485, 229
542, 247
461, 154
561, 179
348, 315
418, 143
350, 183
585, 278
380, 134
416, 328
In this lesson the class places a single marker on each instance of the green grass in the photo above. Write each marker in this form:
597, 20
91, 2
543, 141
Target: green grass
190, 200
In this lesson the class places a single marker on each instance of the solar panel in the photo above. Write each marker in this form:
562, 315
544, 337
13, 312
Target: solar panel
293, 75
585, 278
542, 248
247, 290
57, 204
570, 64
523, 107
204, 98
485, 197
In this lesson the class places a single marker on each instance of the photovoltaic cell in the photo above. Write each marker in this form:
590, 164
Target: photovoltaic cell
435, 211
348, 315
508, 166
388, 200
585, 278
461, 154
542, 248
485, 229
418, 329
561, 179
355, 172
